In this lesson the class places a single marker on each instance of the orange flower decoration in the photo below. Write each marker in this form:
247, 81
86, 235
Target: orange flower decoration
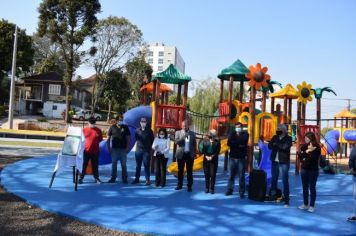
258, 76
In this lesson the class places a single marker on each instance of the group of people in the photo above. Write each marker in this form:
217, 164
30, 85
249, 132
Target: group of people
118, 144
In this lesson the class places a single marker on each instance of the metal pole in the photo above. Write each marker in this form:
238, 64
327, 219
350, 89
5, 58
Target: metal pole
12, 89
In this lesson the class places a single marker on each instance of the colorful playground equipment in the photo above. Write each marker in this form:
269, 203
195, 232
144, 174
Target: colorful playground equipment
343, 134
260, 123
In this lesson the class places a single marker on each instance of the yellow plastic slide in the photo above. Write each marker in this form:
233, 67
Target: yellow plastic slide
198, 162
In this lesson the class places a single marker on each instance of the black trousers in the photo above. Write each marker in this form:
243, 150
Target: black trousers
94, 163
210, 169
188, 161
161, 170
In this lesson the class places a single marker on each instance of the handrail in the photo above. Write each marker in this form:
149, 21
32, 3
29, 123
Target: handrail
204, 115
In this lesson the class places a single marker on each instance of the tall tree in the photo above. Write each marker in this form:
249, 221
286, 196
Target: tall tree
116, 89
138, 72
24, 57
68, 23
116, 41
47, 55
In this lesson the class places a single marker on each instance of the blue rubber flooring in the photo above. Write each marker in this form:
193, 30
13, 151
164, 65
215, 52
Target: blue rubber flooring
164, 211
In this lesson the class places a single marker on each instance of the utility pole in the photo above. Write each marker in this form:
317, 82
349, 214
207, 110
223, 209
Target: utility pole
349, 104
12, 88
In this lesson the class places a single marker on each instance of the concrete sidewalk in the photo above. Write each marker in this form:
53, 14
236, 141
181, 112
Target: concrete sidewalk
30, 140
7, 150
31, 151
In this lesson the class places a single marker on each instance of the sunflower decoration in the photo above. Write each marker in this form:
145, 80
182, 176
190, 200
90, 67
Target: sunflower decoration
258, 77
305, 92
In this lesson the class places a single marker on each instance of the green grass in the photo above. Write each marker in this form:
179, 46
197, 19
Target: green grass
31, 144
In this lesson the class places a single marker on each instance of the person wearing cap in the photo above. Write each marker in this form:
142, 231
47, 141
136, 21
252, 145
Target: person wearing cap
93, 137
280, 145
118, 144
210, 146
237, 141
144, 139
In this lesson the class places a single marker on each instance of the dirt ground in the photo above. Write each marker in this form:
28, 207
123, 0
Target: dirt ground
19, 218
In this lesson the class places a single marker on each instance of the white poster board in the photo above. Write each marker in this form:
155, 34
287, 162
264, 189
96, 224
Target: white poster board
72, 150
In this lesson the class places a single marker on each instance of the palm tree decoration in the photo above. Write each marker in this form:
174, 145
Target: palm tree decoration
270, 87
267, 89
318, 94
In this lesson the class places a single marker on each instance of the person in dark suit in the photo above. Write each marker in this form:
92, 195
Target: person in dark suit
238, 142
185, 154
144, 139
119, 136
280, 145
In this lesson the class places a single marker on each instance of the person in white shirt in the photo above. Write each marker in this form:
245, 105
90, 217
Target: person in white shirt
161, 145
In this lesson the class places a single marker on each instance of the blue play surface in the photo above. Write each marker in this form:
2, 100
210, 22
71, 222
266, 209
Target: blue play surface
164, 211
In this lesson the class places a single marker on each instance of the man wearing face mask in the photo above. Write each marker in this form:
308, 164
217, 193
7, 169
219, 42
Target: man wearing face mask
237, 141
280, 144
144, 139
119, 136
93, 137
186, 151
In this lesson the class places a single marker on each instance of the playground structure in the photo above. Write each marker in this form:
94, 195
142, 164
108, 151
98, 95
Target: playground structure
236, 107
342, 135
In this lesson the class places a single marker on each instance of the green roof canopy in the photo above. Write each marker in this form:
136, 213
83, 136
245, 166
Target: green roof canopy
171, 76
237, 70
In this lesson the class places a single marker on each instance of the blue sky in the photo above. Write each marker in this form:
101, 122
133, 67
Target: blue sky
311, 40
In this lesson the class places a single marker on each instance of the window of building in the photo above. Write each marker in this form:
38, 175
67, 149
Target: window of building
54, 89
150, 60
54, 108
161, 54
160, 61
160, 68
150, 53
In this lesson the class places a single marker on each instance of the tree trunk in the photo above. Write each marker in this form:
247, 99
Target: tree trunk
68, 83
93, 98
299, 136
109, 111
67, 118
251, 142
318, 111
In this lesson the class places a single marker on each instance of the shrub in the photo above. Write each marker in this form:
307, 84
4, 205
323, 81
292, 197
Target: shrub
42, 119
325, 130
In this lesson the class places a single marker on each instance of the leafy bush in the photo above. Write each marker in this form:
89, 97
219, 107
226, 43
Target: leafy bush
42, 119
325, 130
51, 129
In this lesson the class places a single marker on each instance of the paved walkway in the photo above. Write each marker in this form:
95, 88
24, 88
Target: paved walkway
164, 211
